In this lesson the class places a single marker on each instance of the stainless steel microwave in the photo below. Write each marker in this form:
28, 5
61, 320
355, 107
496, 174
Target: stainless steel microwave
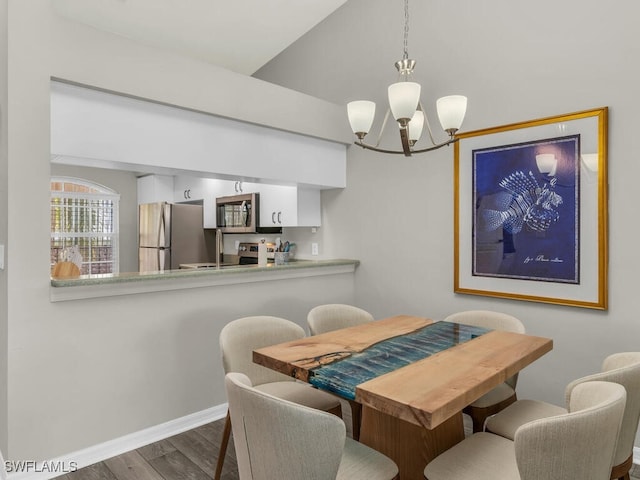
241, 214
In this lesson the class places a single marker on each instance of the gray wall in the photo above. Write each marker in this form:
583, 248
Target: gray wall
515, 61
4, 209
126, 185
84, 372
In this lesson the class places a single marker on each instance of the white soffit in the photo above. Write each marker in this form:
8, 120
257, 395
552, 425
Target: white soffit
240, 35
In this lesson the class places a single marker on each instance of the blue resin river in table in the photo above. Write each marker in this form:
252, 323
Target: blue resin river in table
342, 376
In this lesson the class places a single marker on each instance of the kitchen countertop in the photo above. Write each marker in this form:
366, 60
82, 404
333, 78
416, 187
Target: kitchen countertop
89, 286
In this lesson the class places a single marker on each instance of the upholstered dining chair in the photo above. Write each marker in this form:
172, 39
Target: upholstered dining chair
276, 438
622, 368
238, 339
504, 394
579, 444
334, 316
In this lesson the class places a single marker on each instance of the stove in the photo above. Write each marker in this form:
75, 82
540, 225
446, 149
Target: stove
248, 253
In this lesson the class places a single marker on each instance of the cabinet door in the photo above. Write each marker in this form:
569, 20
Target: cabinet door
286, 206
187, 189
224, 188
240, 187
277, 204
155, 188
209, 194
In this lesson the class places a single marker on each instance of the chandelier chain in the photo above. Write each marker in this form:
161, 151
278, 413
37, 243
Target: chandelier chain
406, 29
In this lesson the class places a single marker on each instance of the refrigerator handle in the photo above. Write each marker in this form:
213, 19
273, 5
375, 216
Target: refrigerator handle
162, 224
161, 228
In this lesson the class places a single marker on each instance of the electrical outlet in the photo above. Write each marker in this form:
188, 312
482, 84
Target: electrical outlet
314, 249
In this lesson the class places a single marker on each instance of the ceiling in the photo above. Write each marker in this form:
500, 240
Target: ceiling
240, 35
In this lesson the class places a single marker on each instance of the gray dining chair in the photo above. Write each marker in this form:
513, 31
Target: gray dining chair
621, 368
238, 339
334, 316
276, 438
579, 444
504, 394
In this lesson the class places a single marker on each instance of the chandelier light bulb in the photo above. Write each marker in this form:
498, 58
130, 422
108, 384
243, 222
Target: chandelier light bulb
415, 126
403, 100
361, 113
451, 111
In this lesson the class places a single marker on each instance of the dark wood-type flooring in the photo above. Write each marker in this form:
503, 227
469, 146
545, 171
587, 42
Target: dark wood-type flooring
191, 455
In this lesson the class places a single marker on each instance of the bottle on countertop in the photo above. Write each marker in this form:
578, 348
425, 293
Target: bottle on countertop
262, 253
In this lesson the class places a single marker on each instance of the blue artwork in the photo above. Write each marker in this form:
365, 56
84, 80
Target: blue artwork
345, 374
526, 215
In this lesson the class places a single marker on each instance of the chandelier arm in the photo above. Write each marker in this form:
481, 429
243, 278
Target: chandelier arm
401, 152
384, 124
437, 146
376, 149
426, 122
404, 136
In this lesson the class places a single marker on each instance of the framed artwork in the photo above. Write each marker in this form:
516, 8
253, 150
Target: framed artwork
531, 210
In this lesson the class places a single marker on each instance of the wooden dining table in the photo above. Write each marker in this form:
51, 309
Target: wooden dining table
412, 376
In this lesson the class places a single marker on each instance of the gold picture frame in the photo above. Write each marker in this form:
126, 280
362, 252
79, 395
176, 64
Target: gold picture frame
477, 151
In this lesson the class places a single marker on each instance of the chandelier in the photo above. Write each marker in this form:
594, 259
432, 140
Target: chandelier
407, 109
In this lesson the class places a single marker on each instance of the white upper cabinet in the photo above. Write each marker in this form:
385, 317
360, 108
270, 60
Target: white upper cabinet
280, 206
155, 188
100, 129
189, 189
287, 206
277, 204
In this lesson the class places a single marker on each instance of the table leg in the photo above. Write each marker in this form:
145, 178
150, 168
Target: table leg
407, 444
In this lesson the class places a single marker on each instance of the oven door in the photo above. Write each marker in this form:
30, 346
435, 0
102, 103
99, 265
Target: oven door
248, 261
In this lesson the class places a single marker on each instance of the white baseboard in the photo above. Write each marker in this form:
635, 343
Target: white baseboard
117, 446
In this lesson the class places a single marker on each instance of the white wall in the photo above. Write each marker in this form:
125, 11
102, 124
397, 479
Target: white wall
84, 372
515, 61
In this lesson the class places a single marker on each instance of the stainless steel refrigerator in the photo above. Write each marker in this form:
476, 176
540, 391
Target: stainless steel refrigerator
170, 234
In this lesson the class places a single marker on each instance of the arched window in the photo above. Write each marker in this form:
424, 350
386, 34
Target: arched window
84, 215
